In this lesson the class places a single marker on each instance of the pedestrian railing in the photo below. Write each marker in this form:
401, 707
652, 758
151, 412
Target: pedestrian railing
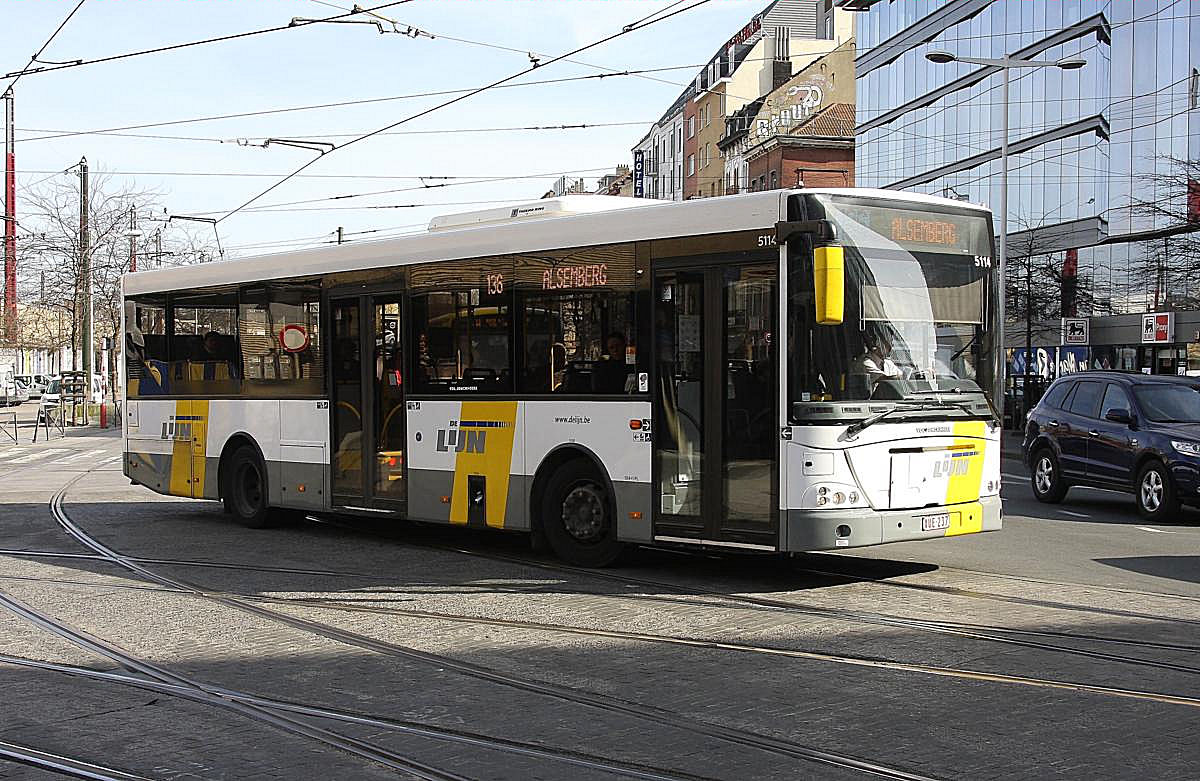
50, 418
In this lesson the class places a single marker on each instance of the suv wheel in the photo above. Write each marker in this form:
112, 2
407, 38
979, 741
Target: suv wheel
1047, 480
1156, 499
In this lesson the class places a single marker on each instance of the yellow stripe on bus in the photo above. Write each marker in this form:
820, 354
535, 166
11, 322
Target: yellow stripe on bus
964, 484
199, 447
181, 454
494, 462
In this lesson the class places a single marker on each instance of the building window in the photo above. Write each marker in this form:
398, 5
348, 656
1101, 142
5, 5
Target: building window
691, 165
691, 126
774, 180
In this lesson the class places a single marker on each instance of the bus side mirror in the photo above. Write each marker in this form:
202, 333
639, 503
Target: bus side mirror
829, 282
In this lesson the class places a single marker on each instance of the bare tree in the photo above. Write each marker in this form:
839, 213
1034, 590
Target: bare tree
1168, 267
52, 269
1042, 284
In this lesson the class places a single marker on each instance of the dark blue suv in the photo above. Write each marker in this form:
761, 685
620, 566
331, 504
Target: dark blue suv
1127, 432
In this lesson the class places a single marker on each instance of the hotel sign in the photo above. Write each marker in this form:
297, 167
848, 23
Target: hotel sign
639, 174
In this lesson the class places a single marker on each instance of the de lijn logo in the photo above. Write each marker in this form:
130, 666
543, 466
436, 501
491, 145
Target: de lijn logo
467, 436
178, 427
954, 465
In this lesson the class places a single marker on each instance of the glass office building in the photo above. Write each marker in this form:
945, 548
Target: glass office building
1086, 147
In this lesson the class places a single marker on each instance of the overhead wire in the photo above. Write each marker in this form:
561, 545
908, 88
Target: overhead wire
227, 140
344, 103
17, 76
293, 25
444, 104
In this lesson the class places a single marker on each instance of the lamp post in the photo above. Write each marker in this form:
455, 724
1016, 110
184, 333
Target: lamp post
1005, 64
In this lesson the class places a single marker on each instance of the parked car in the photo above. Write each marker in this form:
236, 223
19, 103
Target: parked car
36, 384
20, 393
1129, 432
53, 392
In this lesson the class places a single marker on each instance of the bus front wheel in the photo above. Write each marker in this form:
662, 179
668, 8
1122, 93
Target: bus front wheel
245, 491
578, 518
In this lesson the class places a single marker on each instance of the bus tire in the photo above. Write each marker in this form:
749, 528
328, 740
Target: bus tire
578, 516
245, 491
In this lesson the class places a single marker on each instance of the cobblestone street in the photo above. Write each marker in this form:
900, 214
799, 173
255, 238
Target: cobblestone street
154, 637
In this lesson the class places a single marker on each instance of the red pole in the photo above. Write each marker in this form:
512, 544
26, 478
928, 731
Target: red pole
10, 221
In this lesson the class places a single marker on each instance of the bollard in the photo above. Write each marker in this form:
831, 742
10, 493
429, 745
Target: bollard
103, 415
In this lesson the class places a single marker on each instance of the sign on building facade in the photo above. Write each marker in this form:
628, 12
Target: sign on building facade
1158, 328
639, 174
1075, 330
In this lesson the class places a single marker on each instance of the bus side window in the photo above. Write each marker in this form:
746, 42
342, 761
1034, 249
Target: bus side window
462, 342
279, 339
146, 348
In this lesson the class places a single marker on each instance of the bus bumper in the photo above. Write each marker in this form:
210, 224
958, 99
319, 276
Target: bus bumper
809, 530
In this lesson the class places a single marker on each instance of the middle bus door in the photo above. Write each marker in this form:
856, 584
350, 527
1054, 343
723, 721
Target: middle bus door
368, 465
715, 435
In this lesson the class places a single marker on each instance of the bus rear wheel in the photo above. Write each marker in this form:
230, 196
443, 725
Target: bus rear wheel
245, 491
578, 518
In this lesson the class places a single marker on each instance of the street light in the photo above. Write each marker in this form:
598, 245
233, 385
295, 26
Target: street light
1005, 64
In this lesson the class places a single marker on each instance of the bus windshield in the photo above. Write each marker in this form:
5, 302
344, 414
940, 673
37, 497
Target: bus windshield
919, 301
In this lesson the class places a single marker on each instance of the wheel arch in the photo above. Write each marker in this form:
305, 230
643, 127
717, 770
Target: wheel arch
1147, 457
550, 463
235, 441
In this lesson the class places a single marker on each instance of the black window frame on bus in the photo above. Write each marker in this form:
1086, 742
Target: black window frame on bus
608, 287
438, 367
227, 378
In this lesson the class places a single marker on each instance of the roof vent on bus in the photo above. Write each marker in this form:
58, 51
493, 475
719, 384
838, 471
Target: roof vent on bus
564, 206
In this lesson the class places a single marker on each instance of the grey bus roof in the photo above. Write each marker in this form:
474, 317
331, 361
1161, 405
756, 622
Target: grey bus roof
637, 222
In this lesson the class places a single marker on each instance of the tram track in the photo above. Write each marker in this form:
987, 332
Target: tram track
682, 589
63, 766
577, 759
202, 692
777, 651
962, 629
725, 733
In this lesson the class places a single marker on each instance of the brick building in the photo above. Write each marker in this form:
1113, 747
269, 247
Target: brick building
802, 130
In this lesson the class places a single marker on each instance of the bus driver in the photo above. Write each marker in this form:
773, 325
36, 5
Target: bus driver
875, 363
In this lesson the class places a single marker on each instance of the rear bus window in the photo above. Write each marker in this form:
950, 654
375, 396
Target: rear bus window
146, 371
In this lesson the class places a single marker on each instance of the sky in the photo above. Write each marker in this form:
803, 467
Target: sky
333, 63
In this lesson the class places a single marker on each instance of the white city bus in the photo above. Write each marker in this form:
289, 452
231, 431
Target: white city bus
778, 371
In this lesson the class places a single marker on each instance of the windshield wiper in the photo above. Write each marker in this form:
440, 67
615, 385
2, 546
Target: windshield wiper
854, 429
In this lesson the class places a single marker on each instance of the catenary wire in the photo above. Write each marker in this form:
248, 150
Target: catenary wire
454, 100
17, 76
293, 25
344, 103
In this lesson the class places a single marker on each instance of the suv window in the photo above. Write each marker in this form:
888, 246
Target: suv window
1114, 398
1057, 393
1086, 400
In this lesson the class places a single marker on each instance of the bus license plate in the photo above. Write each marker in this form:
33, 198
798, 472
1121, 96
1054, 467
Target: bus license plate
932, 523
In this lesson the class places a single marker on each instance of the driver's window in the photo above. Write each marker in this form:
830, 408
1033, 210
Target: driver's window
1114, 398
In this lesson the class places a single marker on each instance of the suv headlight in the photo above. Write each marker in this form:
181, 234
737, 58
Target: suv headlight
1187, 448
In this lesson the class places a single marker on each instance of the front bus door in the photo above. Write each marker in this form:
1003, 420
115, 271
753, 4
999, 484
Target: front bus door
716, 439
368, 426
